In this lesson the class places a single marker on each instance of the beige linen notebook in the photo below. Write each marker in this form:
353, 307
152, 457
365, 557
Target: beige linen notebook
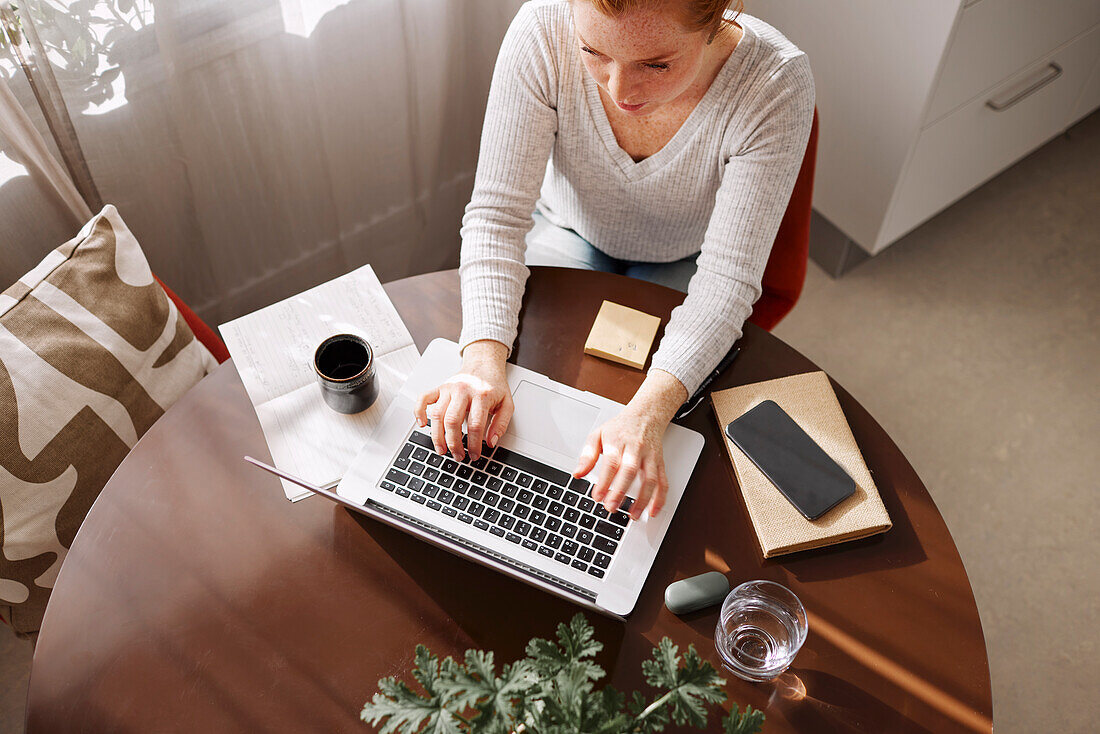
808, 399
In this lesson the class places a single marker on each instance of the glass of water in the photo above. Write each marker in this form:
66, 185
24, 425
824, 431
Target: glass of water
760, 630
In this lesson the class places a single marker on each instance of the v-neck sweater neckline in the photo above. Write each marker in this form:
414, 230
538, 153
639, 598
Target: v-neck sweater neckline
635, 170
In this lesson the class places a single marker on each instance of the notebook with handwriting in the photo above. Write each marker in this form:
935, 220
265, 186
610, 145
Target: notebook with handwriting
808, 399
273, 351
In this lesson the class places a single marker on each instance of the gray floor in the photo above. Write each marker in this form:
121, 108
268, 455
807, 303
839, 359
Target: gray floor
974, 342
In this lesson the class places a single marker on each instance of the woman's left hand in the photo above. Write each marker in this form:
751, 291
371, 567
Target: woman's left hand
632, 447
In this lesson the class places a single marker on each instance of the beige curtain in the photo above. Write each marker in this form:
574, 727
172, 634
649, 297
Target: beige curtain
24, 139
259, 147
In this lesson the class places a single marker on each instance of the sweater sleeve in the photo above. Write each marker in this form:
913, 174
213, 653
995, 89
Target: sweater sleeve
520, 125
757, 181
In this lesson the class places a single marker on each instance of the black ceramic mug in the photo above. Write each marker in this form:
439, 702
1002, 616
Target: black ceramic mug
345, 368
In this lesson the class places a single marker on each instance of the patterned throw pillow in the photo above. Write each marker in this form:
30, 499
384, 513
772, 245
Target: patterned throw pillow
92, 352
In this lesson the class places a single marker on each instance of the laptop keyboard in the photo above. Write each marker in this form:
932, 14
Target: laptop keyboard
514, 497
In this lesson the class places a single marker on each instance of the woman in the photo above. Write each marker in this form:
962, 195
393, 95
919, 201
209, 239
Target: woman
674, 131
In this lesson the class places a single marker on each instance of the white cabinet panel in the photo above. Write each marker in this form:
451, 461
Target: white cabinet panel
997, 38
976, 141
874, 63
1089, 99
902, 88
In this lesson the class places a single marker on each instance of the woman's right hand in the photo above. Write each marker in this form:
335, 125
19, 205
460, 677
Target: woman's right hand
478, 395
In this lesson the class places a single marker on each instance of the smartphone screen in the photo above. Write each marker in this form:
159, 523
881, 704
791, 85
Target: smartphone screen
790, 459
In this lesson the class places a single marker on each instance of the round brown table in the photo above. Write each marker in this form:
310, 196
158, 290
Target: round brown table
197, 598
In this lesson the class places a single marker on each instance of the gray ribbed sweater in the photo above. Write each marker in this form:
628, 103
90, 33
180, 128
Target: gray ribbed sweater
719, 187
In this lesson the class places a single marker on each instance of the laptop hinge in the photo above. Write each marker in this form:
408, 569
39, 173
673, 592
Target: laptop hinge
487, 552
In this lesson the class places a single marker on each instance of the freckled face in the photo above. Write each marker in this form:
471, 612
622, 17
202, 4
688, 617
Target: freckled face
643, 59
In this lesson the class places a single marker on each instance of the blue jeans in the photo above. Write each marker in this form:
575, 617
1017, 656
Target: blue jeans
548, 244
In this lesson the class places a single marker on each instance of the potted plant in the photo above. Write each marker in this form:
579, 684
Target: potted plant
552, 691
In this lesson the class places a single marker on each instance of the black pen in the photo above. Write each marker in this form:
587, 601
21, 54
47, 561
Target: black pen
695, 399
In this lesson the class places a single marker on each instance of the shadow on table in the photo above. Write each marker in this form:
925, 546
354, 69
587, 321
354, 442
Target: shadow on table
898, 547
842, 706
495, 611
712, 531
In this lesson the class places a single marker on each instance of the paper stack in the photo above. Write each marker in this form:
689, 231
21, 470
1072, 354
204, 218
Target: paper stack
273, 351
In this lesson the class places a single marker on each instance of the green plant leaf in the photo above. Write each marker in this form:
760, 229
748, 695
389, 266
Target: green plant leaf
576, 644
690, 687
551, 692
606, 715
749, 722
570, 705
426, 671
578, 638
409, 712
499, 701
572, 687
656, 720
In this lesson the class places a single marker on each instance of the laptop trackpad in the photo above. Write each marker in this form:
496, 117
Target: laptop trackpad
551, 420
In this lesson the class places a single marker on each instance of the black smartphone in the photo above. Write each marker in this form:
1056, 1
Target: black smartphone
797, 466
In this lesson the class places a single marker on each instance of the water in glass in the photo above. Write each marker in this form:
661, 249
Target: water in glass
760, 630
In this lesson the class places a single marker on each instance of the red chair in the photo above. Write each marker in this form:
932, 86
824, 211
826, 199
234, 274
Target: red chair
203, 333
786, 269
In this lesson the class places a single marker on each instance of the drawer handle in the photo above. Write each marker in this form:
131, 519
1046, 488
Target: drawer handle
1053, 72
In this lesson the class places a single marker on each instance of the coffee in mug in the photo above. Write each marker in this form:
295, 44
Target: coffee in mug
344, 364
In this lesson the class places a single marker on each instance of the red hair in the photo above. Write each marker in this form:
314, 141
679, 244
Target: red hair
697, 15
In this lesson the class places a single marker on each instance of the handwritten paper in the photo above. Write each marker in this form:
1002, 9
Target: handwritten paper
273, 351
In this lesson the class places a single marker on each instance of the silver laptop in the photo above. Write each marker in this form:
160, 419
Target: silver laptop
517, 509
